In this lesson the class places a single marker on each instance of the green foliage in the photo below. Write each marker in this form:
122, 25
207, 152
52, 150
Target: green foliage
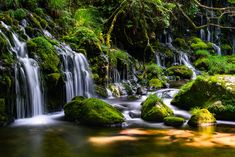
153, 71
216, 64
84, 38
92, 111
45, 53
174, 121
201, 117
153, 109
202, 53
198, 44
181, 72
88, 17
20, 14
116, 55
29, 4
57, 4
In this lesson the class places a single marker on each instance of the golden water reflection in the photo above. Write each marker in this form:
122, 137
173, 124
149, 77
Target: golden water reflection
205, 137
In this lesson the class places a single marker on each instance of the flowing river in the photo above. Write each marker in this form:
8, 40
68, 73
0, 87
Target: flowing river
50, 135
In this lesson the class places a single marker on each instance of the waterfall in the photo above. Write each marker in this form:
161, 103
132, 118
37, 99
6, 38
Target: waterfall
76, 70
202, 31
29, 97
185, 60
160, 60
217, 49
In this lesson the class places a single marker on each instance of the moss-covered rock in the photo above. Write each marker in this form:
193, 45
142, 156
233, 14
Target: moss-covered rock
174, 121
153, 109
198, 44
180, 72
43, 51
155, 83
201, 117
92, 111
101, 91
217, 93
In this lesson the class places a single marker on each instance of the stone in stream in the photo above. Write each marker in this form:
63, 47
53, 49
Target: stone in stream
201, 117
174, 121
154, 110
216, 93
93, 112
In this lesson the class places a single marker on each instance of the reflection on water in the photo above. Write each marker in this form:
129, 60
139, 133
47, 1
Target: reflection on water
69, 140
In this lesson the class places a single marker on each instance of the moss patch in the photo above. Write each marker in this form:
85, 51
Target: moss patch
174, 121
201, 117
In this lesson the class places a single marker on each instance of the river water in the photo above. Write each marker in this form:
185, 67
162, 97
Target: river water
50, 135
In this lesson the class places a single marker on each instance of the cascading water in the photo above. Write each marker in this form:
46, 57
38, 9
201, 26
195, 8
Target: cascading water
185, 60
78, 79
29, 97
217, 49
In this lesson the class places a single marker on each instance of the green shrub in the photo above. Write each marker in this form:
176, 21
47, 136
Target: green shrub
202, 53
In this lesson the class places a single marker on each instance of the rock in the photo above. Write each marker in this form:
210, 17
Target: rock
155, 83
180, 72
174, 121
216, 93
135, 114
101, 91
92, 111
201, 117
153, 109
141, 91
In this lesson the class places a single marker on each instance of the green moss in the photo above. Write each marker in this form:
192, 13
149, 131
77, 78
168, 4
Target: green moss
202, 53
101, 91
226, 47
155, 83
198, 44
217, 93
153, 109
20, 14
45, 53
180, 42
201, 117
174, 121
93, 111
181, 72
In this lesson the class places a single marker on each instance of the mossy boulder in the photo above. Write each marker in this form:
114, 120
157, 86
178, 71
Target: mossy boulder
155, 83
101, 91
93, 112
216, 93
174, 121
201, 117
180, 72
43, 51
198, 44
154, 110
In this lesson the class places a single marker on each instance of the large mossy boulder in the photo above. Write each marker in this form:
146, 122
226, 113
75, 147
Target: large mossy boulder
92, 111
180, 72
154, 110
201, 117
216, 93
174, 121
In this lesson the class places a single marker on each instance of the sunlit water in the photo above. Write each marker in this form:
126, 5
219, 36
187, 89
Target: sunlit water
50, 135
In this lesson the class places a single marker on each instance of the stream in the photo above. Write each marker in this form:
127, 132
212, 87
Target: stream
50, 135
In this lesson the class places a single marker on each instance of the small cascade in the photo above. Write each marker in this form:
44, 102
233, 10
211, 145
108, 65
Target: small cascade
185, 60
29, 97
160, 60
76, 69
217, 49
202, 31
115, 75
